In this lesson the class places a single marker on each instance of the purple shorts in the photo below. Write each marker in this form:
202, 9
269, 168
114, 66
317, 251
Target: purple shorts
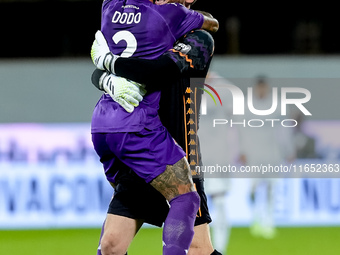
147, 152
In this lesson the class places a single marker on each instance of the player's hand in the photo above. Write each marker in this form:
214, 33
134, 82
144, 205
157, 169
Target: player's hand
101, 56
126, 93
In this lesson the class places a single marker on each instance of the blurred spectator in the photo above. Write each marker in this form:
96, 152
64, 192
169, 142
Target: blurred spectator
218, 187
263, 146
304, 144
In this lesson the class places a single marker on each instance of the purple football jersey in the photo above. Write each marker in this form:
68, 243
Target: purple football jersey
139, 28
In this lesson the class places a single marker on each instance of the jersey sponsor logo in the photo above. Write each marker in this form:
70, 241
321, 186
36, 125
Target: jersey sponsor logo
131, 6
183, 48
126, 18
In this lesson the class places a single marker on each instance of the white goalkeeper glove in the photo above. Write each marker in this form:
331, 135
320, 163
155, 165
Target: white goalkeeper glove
126, 93
101, 55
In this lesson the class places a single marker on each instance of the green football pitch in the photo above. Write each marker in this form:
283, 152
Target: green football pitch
299, 241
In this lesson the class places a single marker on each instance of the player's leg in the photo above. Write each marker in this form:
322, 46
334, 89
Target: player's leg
221, 228
269, 230
135, 199
154, 156
176, 185
176, 180
201, 243
121, 223
118, 234
257, 207
99, 249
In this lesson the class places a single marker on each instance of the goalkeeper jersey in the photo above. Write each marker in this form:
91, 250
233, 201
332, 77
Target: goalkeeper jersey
139, 28
180, 103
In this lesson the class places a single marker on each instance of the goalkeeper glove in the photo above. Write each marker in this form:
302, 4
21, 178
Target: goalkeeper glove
126, 93
101, 55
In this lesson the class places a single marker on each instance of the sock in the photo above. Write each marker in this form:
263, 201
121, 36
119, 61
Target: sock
216, 253
179, 225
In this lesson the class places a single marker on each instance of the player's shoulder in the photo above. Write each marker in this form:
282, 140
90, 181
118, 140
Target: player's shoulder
200, 34
171, 9
129, 4
193, 51
200, 37
170, 6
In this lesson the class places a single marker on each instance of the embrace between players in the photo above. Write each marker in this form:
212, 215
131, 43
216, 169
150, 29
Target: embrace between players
144, 134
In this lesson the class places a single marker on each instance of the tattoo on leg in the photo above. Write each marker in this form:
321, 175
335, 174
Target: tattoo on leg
175, 180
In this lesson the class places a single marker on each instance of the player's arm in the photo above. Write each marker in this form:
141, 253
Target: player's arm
210, 24
155, 73
161, 71
191, 52
182, 20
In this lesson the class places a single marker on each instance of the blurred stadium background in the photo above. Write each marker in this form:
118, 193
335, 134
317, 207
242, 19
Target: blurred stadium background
53, 195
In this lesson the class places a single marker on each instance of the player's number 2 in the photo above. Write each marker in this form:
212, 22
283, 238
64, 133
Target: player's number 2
131, 42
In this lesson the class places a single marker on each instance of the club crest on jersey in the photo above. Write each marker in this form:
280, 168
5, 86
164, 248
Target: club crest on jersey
183, 48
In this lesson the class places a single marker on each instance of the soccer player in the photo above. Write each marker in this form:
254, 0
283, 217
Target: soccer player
131, 193
138, 139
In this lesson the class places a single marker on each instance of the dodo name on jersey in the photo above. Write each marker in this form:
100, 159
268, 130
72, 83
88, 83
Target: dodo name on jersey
126, 18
